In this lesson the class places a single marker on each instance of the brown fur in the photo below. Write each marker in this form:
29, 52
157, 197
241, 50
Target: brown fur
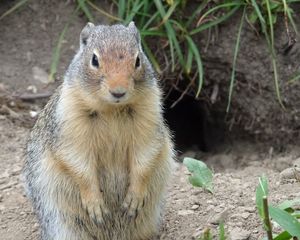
101, 165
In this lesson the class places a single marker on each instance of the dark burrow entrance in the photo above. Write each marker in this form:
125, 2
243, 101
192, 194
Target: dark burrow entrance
194, 124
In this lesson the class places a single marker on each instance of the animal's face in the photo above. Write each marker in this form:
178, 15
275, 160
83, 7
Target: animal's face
111, 62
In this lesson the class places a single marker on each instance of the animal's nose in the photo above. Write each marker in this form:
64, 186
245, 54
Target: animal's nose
118, 95
118, 92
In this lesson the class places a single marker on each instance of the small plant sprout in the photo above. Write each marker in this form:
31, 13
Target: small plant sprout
201, 175
283, 214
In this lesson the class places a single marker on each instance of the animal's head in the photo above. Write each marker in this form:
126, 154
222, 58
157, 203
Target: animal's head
111, 63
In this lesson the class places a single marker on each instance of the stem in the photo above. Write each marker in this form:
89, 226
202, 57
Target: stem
267, 221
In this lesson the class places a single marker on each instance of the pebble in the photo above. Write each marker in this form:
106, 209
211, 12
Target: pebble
32, 88
239, 234
185, 212
245, 215
39, 74
219, 217
297, 163
33, 114
290, 173
195, 206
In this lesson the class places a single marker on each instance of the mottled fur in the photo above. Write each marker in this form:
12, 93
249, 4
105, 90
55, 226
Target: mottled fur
96, 166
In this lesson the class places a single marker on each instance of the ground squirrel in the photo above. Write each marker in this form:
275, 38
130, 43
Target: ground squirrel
100, 154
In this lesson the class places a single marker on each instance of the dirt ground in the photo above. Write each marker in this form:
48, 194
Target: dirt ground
188, 210
25, 55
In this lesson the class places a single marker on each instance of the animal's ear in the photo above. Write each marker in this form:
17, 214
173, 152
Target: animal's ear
135, 31
85, 33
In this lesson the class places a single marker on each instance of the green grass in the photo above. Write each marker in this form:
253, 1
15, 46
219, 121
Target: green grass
172, 28
13, 9
168, 22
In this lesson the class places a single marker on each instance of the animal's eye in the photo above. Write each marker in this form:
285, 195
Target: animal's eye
95, 61
137, 62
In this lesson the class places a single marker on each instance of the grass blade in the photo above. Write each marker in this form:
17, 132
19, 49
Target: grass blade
270, 41
197, 11
261, 192
267, 222
215, 22
86, 10
225, 5
270, 22
171, 32
294, 79
133, 11
149, 22
103, 12
168, 13
222, 231
196, 53
57, 49
286, 221
260, 17
151, 57
14, 8
146, 9
152, 33
276, 80
56, 53
121, 9
189, 61
237, 47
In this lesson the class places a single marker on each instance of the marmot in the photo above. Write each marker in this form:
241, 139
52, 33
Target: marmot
100, 155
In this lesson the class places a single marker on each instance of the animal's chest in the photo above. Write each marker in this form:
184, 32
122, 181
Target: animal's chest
108, 141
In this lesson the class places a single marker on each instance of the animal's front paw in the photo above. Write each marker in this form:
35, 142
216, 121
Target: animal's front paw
132, 204
96, 209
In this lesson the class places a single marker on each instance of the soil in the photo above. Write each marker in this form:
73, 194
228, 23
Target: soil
26, 47
188, 211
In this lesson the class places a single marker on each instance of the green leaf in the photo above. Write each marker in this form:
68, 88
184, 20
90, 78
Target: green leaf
286, 221
201, 175
261, 192
288, 204
283, 236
